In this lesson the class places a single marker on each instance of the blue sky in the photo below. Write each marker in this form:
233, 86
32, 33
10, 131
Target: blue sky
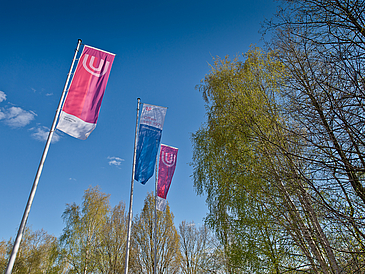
163, 50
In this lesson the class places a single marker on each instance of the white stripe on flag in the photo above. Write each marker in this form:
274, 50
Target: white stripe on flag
160, 203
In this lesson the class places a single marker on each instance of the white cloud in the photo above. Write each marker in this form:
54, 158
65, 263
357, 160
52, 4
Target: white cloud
49, 94
17, 117
115, 161
41, 134
2, 96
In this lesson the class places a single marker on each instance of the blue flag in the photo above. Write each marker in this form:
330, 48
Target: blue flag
149, 137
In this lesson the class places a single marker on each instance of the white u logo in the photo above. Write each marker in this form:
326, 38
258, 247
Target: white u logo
95, 71
168, 159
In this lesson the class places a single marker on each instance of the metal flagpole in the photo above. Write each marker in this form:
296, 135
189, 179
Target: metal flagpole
155, 233
18, 239
131, 197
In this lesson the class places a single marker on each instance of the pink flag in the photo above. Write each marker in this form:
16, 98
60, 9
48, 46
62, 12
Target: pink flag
167, 164
82, 105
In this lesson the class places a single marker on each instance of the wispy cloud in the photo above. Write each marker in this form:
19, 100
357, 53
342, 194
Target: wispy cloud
115, 161
49, 94
2, 96
40, 133
16, 116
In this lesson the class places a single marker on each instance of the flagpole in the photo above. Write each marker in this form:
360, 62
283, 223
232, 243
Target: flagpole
131, 196
155, 233
18, 239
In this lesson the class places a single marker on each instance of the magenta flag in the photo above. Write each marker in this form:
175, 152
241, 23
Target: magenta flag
80, 111
166, 169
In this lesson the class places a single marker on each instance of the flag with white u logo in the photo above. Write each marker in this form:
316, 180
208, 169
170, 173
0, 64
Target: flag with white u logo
80, 111
166, 169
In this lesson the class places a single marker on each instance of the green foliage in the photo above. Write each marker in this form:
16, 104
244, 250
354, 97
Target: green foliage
113, 239
38, 253
94, 238
82, 235
281, 156
232, 161
142, 243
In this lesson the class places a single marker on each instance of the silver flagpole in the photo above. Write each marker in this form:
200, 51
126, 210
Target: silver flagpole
131, 197
23, 223
155, 233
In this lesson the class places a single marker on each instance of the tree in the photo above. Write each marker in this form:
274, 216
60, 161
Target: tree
38, 253
82, 235
321, 45
200, 250
111, 250
259, 202
3, 258
227, 163
142, 242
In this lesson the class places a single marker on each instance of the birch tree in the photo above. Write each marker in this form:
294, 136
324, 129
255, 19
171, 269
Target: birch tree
259, 204
81, 236
321, 44
200, 250
38, 253
111, 251
142, 243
